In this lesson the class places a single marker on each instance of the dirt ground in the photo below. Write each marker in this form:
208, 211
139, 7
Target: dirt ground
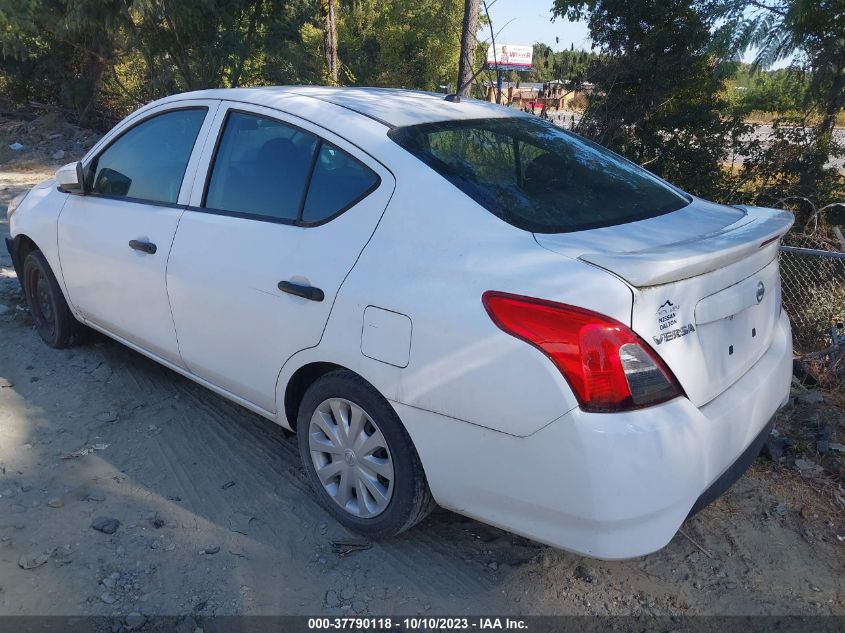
216, 516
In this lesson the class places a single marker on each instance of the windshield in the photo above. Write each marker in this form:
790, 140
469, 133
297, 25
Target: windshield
537, 176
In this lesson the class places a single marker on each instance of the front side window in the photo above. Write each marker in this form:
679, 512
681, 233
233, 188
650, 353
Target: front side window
266, 169
537, 176
148, 162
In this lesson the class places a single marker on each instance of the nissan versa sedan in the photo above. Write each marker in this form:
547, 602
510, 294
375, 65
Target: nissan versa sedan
450, 302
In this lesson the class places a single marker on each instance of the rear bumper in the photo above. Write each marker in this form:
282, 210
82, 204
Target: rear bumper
609, 486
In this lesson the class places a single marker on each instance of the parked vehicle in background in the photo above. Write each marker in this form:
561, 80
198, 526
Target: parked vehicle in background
449, 302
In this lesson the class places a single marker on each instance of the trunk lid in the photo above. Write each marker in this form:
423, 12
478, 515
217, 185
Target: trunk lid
705, 285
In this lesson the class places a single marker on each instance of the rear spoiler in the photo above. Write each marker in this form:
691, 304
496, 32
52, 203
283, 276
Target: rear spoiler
757, 229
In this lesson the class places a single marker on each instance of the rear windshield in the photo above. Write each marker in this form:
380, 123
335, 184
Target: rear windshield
537, 176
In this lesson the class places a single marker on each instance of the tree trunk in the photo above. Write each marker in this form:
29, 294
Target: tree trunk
327, 8
468, 31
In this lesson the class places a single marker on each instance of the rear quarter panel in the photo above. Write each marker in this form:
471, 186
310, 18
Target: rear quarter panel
433, 255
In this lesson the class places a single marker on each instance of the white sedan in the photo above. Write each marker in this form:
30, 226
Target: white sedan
451, 302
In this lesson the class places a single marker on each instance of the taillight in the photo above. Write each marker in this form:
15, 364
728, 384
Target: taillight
607, 365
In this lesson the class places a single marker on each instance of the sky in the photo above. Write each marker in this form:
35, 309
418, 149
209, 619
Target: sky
529, 21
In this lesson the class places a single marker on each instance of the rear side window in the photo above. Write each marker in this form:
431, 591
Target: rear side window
148, 162
338, 182
537, 176
266, 169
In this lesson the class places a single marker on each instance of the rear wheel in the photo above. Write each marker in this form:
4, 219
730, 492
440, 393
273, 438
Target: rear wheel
359, 458
53, 318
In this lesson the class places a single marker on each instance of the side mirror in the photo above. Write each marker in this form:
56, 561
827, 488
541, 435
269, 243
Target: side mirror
70, 178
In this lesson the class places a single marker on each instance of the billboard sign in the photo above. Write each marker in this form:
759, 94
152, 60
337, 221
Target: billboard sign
510, 57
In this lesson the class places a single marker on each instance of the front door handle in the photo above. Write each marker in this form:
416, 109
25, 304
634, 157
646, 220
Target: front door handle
306, 292
145, 247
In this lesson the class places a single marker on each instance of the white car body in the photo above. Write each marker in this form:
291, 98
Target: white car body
497, 427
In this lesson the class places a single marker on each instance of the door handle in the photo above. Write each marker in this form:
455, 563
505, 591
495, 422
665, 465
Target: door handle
306, 292
145, 247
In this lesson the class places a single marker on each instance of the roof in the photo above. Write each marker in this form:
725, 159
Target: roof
393, 107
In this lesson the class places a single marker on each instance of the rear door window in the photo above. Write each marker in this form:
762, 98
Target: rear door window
148, 162
270, 170
538, 177
261, 168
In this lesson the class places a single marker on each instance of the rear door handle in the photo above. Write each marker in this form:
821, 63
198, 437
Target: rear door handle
145, 247
306, 292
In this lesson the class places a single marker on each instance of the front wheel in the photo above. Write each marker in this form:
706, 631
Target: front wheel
53, 318
359, 458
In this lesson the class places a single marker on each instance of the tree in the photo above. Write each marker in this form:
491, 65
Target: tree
469, 28
327, 10
814, 30
658, 83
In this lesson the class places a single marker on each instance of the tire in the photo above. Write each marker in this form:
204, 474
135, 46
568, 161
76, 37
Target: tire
53, 318
379, 507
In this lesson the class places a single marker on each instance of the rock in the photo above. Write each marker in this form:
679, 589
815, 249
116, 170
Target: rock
583, 574
16, 147
106, 525
108, 597
359, 606
96, 496
323, 526
5, 383
58, 154
32, 560
108, 582
332, 600
135, 620
55, 502
62, 555
3, 309
211, 550
774, 448
493, 565
814, 588
348, 592
239, 522
806, 465
107, 416
227, 485
810, 397
26, 487
837, 447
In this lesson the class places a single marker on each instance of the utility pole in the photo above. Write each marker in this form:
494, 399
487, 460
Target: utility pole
468, 32
327, 9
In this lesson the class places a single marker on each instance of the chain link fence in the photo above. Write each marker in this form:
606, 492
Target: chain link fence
813, 292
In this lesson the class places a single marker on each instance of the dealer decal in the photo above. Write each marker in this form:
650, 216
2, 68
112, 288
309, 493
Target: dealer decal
667, 316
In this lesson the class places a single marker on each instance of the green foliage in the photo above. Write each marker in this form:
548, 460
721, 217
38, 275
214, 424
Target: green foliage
658, 84
566, 65
783, 90
109, 56
400, 43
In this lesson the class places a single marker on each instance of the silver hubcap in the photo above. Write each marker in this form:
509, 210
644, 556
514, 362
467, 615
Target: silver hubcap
351, 457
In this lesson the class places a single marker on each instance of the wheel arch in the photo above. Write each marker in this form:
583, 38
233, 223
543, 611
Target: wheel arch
298, 384
22, 245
